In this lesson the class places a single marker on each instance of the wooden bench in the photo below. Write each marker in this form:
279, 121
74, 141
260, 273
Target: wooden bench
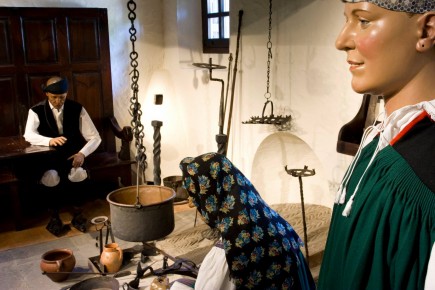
9, 185
17, 156
12, 151
111, 165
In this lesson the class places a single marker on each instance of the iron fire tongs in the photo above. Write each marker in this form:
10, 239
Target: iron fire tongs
180, 266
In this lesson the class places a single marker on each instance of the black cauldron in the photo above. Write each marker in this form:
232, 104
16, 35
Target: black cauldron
142, 213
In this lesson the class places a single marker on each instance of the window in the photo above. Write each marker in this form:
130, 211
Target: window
215, 26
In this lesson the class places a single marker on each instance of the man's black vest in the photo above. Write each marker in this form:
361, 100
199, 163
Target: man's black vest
71, 125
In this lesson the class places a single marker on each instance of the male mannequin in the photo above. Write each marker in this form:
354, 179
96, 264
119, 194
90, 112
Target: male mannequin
65, 125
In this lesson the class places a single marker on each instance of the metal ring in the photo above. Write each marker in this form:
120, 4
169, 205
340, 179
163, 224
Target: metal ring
99, 220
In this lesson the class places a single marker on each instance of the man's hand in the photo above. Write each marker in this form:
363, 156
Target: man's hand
78, 159
58, 141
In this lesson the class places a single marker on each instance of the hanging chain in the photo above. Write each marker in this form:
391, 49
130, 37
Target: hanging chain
267, 95
271, 119
135, 107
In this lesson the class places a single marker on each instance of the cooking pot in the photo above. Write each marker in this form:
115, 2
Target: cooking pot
142, 213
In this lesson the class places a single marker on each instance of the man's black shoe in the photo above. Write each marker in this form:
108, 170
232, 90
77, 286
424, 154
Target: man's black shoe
80, 222
56, 227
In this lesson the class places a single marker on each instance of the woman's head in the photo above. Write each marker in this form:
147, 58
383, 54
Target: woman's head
389, 51
209, 180
414, 6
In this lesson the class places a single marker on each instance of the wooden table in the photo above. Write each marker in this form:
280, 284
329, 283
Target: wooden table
13, 153
17, 147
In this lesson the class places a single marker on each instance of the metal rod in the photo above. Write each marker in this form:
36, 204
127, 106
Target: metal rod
101, 240
301, 190
302, 173
221, 138
221, 103
234, 78
109, 226
230, 61
137, 181
117, 274
107, 235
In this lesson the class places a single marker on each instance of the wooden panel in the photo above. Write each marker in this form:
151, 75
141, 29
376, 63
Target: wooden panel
69, 42
40, 44
84, 39
34, 82
87, 89
88, 92
7, 109
5, 42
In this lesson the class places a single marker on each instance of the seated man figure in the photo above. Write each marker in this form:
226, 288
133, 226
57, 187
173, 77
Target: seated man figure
65, 125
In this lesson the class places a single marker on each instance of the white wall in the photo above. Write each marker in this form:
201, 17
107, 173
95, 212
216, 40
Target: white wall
309, 78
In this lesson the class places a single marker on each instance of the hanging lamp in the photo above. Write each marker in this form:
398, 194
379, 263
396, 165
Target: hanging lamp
271, 119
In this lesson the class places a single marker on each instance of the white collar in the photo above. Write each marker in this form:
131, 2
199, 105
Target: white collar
388, 129
52, 107
399, 119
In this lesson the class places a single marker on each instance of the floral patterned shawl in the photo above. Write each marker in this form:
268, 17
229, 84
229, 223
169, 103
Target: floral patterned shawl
262, 249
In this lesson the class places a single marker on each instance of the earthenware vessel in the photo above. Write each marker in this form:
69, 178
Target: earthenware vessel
111, 258
58, 260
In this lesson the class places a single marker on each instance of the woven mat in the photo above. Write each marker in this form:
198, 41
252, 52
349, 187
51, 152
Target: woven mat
194, 244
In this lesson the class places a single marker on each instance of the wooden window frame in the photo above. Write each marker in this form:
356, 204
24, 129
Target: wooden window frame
215, 45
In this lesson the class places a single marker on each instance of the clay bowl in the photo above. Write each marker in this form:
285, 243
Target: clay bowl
57, 260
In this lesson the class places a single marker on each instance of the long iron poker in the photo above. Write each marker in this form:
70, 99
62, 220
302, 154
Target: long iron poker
302, 173
115, 275
230, 113
230, 61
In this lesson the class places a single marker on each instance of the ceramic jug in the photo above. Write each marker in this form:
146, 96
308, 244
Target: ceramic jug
58, 260
111, 258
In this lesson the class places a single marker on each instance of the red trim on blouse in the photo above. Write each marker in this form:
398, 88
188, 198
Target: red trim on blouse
408, 127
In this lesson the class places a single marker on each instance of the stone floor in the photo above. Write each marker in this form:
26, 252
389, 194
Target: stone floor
19, 266
21, 254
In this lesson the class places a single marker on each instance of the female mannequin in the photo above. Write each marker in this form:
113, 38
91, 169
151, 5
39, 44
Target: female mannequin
382, 230
260, 250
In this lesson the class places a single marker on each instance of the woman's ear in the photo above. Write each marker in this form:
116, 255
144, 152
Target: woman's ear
427, 36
